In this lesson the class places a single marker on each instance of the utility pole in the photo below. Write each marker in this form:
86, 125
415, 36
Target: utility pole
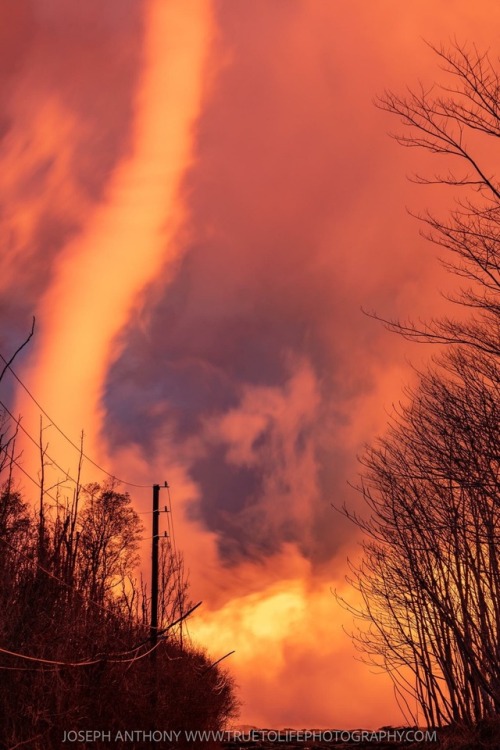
154, 565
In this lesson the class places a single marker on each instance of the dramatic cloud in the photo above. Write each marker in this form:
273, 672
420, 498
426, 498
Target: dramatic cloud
198, 199
60, 133
289, 648
255, 362
101, 272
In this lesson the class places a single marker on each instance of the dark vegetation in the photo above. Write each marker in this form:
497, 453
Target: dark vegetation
429, 579
75, 648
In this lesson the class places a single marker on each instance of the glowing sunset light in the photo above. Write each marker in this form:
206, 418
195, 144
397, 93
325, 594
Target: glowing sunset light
199, 202
282, 633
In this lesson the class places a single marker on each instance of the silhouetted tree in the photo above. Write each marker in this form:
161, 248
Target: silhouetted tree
74, 646
109, 538
429, 579
74, 624
460, 122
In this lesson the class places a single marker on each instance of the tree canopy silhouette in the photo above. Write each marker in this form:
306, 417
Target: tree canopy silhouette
75, 651
429, 579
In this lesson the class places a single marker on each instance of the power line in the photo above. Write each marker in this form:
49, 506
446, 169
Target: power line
48, 572
52, 662
61, 432
52, 461
44, 570
100, 658
45, 492
86, 599
86, 663
58, 579
19, 348
180, 578
170, 535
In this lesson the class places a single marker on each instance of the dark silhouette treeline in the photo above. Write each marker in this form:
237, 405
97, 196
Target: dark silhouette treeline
75, 648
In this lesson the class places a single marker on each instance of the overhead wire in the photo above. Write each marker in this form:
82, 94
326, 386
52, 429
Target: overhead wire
7, 366
99, 658
107, 610
27, 474
67, 475
38, 564
19, 424
61, 432
44, 570
85, 597
180, 578
86, 663
183, 616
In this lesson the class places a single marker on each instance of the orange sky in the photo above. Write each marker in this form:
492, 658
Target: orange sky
198, 198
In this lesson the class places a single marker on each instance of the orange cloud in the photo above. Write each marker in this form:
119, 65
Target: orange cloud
291, 660
259, 215
124, 243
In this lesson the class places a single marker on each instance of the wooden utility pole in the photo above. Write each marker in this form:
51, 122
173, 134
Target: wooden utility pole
154, 565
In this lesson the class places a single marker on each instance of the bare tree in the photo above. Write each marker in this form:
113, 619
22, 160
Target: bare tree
459, 122
429, 579
74, 627
108, 539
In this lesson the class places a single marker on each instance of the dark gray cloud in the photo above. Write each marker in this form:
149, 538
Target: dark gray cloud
269, 283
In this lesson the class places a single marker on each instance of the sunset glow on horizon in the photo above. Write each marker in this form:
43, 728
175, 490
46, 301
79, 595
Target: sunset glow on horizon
200, 200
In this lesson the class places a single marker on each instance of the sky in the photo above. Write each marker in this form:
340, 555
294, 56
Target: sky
199, 199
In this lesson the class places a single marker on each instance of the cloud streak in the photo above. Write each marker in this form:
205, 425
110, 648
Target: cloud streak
199, 198
100, 274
